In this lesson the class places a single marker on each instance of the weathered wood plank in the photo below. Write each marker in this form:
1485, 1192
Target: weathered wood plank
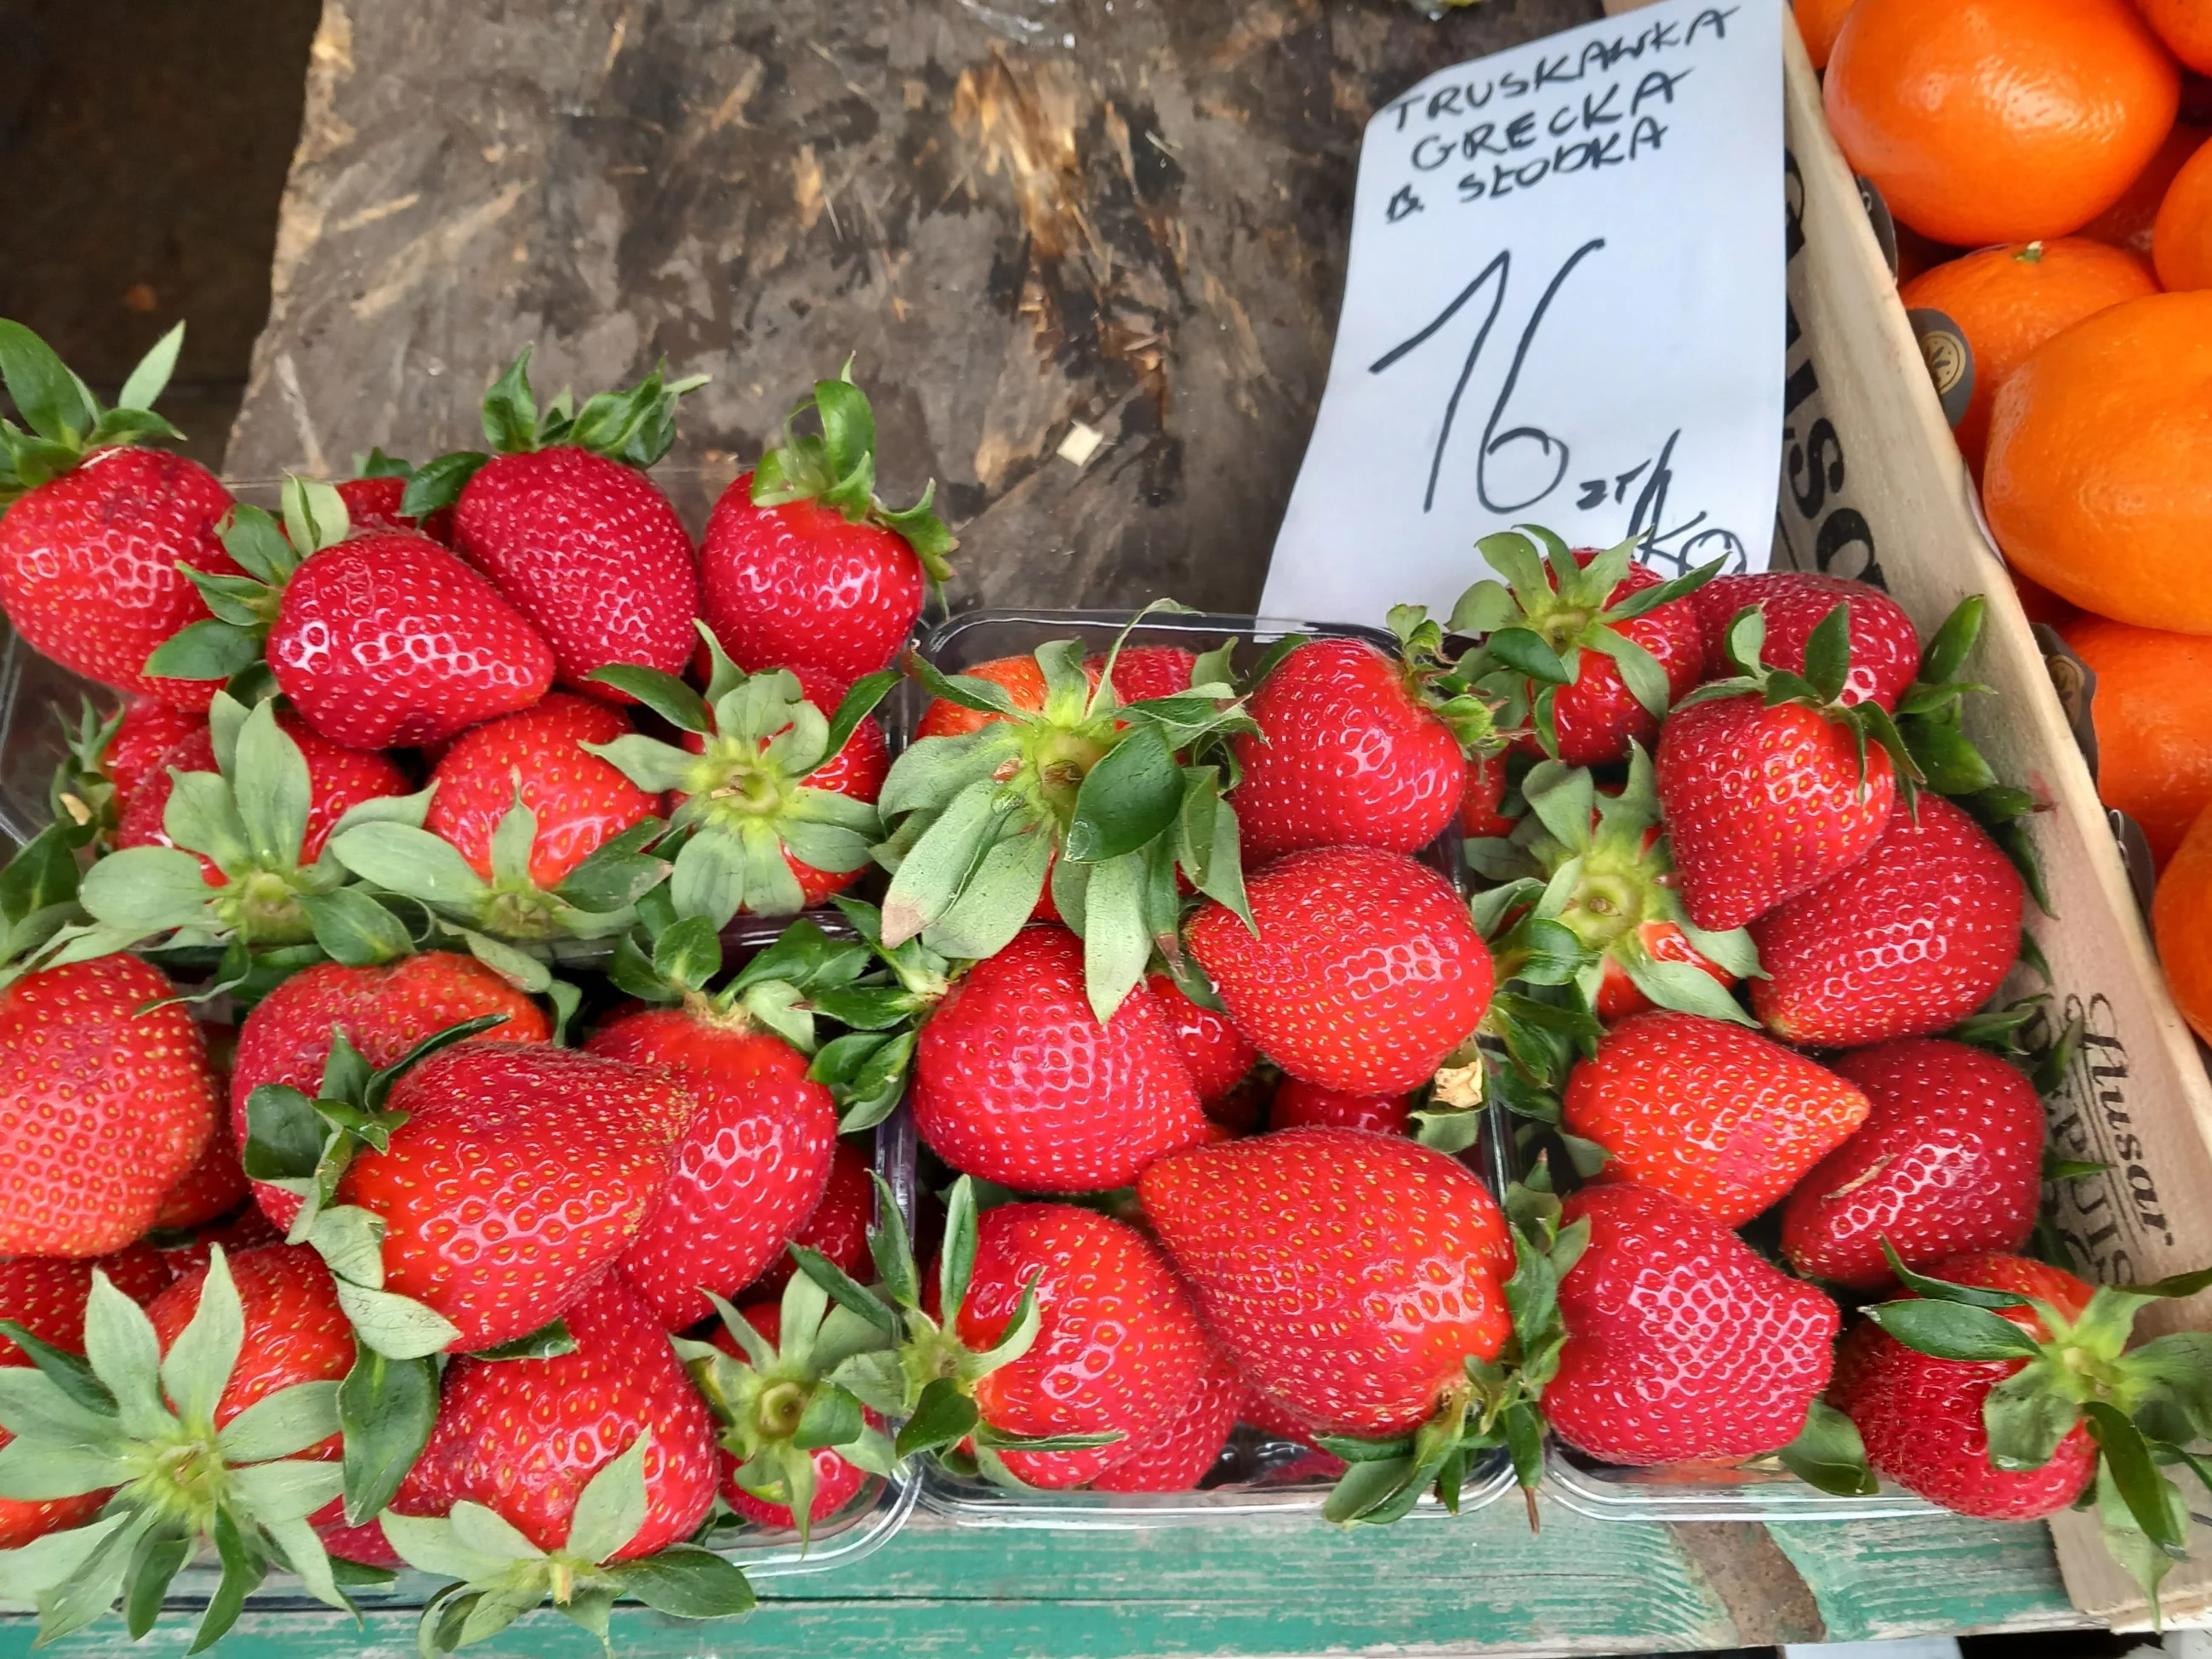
1879, 1579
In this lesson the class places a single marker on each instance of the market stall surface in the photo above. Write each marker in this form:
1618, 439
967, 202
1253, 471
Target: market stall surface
1088, 253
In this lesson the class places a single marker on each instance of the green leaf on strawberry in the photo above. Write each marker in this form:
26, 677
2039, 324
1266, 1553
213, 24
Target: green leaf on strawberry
127, 1417
66, 422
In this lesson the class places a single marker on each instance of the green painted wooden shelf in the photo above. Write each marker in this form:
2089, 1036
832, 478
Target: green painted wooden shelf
1293, 1586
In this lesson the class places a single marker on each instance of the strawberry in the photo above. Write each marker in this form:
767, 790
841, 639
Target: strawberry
1588, 647
775, 802
1885, 646
762, 1400
1351, 1275
1347, 753
1769, 785
1592, 861
1949, 1160
461, 1186
383, 1011
1143, 670
551, 1475
248, 1229
566, 524
107, 1103
1908, 940
752, 1168
239, 852
1922, 1418
377, 499
1115, 811
1182, 1451
1482, 812
212, 1187
98, 532
580, 801
339, 780
45, 1296
1217, 1056
1681, 1344
1297, 1102
110, 760
1278, 1421
802, 566
838, 1230
1707, 1112
1362, 972
1017, 1081
226, 1429
1119, 1349
1019, 677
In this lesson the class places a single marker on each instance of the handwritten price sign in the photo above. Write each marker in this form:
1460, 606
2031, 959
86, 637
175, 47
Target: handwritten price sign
1563, 305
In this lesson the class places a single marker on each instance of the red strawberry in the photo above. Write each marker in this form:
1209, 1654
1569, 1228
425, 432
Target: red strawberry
1764, 802
580, 800
388, 640
803, 567
1276, 1420
1949, 1160
591, 551
1119, 1349
1145, 671
1218, 1057
838, 1229
148, 730
523, 1437
339, 780
1618, 996
1589, 612
1015, 1081
295, 1331
1681, 1344
1297, 1102
1707, 1112
1351, 1275
522, 1173
1182, 1451
1885, 646
752, 1167
1346, 753
1367, 972
836, 1482
1481, 813
105, 1103
1921, 1417
385, 1012
89, 558
211, 1188
1908, 940
376, 503
249, 1229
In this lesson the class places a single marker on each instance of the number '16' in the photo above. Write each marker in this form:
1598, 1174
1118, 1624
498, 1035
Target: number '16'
1493, 441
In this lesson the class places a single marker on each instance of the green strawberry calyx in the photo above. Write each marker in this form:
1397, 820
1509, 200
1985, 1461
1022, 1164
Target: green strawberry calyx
38, 896
1535, 624
923, 1372
1931, 719
747, 803
836, 466
248, 819
81, 793
2144, 1407
228, 645
636, 428
1594, 862
1819, 688
66, 422
777, 1406
804, 976
1495, 1404
127, 1417
498, 1574
1107, 801
1436, 683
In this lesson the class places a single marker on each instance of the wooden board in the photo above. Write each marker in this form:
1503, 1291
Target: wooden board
1479, 1584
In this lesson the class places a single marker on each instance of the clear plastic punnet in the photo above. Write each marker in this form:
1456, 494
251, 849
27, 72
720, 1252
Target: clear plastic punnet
1256, 1473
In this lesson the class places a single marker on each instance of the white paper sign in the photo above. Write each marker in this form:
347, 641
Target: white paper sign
1563, 305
